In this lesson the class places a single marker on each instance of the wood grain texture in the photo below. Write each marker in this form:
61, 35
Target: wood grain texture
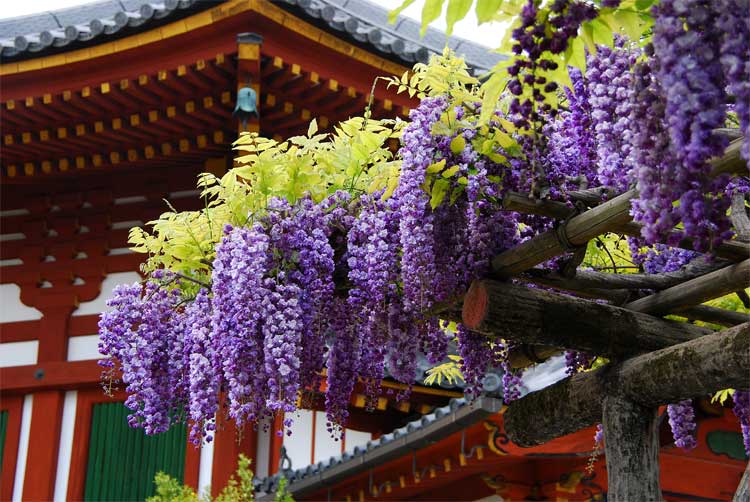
695, 291
609, 216
540, 317
717, 361
631, 445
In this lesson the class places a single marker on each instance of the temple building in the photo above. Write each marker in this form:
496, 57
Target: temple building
110, 108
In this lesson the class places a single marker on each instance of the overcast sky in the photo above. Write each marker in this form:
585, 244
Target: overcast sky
486, 34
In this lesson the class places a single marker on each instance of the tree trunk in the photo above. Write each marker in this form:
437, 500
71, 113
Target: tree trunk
743, 489
631, 440
717, 361
539, 317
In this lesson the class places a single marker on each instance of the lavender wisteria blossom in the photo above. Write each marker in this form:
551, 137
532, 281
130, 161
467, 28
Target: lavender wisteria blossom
687, 43
143, 332
203, 374
416, 224
682, 421
610, 83
742, 411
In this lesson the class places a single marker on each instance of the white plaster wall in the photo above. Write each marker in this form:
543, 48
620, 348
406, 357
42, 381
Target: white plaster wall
11, 307
18, 353
98, 304
205, 467
82, 348
356, 438
325, 446
66, 445
23, 448
299, 444
263, 451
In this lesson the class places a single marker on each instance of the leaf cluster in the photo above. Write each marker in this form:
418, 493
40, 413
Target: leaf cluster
354, 157
632, 18
239, 488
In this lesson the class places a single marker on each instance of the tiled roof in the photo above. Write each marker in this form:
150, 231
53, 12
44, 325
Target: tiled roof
359, 21
441, 423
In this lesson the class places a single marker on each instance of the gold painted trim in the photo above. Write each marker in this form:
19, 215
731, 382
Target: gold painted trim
205, 18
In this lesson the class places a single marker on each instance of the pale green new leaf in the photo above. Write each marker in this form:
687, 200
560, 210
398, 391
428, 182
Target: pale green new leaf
430, 12
456, 11
439, 191
393, 15
487, 9
722, 396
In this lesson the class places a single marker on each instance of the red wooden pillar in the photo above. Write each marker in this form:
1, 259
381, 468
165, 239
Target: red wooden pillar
248, 70
53, 329
14, 406
44, 440
228, 444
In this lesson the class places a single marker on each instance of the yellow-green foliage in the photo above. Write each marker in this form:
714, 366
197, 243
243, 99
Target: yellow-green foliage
239, 488
631, 18
168, 489
449, 371
354, 157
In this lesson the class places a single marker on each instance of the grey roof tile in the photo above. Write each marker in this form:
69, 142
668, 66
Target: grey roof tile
269, 484
361, 21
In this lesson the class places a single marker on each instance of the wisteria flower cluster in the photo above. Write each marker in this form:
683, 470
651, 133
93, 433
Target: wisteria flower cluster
350, 287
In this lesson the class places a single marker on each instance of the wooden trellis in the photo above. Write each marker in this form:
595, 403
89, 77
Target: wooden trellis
654, 361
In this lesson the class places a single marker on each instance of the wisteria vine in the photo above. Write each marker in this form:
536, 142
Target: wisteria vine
352, 286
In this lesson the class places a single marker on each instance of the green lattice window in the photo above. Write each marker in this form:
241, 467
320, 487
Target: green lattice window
122, 461
3, 428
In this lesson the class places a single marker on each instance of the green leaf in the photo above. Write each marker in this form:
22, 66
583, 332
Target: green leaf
456, 193
450, 171
439, 190
631, 23
393, 15
456, 11
313, 128
430, 12
436, 167
602, 33
504, 140
486, 10
492, 89
575, 54
587, 33
643, 4
458, 144
722, 395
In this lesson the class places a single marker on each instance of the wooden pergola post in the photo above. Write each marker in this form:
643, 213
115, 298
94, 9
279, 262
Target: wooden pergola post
248, 71
631, 445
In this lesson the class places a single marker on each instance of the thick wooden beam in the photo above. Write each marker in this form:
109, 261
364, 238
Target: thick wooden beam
695, 291
717, 361
606, 217
714, 315
734, 250
540, 317
631, 446
586, 279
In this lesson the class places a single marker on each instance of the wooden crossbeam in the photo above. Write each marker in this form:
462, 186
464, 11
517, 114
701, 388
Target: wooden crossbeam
540, 317
695, 291
522, 203
697, 367
580, 229
581, 287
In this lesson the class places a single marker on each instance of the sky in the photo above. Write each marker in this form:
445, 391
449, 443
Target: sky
487, 34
